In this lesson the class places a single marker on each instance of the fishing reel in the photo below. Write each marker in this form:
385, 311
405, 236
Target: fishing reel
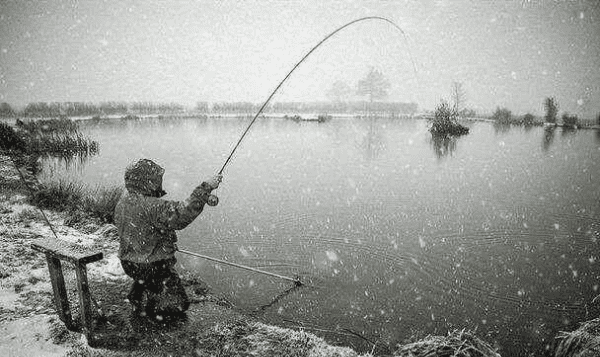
212, 200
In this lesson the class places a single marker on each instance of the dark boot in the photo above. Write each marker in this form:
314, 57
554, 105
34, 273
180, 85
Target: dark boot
136, 297
152, 305
173, 301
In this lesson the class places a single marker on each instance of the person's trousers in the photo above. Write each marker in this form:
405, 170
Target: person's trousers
162, 283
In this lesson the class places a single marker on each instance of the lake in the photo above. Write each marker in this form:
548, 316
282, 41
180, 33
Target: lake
394, 234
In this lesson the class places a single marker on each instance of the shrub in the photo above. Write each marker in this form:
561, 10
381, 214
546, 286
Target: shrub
101, 203
10, 140
64, 144
503, 116
551, 107
61, 125
55, 137
569, 121
444, 121
80, 202
59, 196
528, 119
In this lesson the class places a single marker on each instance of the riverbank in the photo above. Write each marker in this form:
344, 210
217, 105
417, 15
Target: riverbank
29, 325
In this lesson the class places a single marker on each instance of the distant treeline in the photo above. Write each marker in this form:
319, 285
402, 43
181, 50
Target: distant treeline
75, 109
312, 107
81, 109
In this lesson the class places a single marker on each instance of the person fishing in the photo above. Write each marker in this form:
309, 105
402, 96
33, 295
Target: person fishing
146, 226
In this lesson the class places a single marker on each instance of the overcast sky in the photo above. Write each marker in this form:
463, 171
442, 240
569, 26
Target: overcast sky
505, 53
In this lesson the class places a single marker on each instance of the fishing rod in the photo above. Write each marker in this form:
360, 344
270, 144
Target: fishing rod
296, 281
298, 64
213, 201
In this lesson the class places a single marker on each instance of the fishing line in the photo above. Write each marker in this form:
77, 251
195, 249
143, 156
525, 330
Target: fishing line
379, 18
296, 281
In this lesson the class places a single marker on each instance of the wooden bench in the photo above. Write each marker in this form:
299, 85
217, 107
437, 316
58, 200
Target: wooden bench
57, 250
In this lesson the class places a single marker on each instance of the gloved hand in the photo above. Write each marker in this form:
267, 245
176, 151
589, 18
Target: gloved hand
214, 181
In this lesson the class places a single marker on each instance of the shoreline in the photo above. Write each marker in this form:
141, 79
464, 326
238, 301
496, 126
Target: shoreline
29, 324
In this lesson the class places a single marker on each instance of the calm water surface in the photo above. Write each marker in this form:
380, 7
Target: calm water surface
393, 233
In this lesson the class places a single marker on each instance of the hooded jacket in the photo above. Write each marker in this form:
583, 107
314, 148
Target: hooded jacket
145, 222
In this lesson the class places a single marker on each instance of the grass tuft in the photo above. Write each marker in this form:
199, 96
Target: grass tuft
241, 338
459, 343
52, 137
80, 202
101, 203
59, 196
585, 341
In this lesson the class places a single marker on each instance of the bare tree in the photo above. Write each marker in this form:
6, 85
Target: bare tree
374, 85
458, 96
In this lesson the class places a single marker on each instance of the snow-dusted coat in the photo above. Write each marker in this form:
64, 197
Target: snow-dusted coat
147, 223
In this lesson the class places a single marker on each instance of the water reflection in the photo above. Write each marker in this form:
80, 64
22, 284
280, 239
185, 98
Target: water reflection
548, 137
373, 142
567, 131
501, 128
443, 145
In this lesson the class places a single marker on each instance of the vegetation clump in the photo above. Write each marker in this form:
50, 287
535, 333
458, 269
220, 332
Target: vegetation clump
38, 127
457, 344
10, 141
244, 338
55, 137
445, 122
583, 342
528, 120
503, 116
81, 203
59, 196
551, 107
570, 121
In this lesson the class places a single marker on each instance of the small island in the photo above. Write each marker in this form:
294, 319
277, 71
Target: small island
445, 122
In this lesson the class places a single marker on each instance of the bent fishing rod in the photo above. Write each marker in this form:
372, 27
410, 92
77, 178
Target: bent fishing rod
213, 200
299, 63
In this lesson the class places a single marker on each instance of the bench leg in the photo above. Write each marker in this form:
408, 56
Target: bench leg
60, 292
85, 301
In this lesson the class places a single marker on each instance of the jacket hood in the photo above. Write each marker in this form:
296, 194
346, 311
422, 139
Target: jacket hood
145, 177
